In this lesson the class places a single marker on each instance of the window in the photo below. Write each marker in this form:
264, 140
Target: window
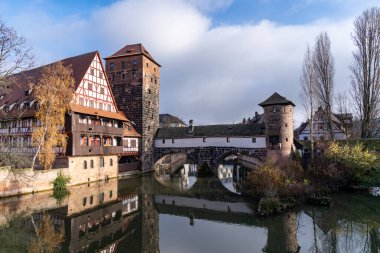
286, 139
89, 86
204, 139
84, 201
112, 65
100, 106
149, 91
101, 90
83, 140
123, 76
253, 140
305, 138
173, 141
155, 81
154, 69
101, 197
134, 62
123, 64
133, 144
151, 79
108, 107
286, 124
92, 71
101, 162
26, 92
147, 64
228, 139
91, 199
275, 109
91, 103
163, 141
111, 162
110, 194
81, 101
85, 165
92, 164
100, 75
148, 128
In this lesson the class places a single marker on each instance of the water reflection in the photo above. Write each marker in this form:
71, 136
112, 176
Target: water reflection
182, 179
232, 175
144, 215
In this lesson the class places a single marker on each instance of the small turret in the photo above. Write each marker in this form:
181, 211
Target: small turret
278, 118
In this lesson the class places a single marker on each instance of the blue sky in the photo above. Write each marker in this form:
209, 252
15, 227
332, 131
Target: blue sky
219, 58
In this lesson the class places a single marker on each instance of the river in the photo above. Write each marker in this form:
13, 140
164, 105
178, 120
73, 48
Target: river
165, 214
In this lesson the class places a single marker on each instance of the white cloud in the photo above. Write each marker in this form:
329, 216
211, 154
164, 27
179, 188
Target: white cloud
211, 74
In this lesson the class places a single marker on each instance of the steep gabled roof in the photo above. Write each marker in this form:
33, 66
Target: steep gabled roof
276, 99
131, 50
24, 80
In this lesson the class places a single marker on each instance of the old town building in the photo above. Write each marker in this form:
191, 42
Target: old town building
135, 80
99, 135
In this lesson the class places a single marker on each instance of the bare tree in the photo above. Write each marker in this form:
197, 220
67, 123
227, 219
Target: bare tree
343, 105
308, 92
365, 69
15, 54
324, 70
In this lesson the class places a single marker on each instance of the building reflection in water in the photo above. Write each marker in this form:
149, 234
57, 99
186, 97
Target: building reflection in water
182, 179
232, 175
143, 215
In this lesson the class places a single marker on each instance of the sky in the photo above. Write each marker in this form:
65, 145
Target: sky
219, 58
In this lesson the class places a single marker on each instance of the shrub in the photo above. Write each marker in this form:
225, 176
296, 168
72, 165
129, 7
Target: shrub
361, 165
266, 181
60, 190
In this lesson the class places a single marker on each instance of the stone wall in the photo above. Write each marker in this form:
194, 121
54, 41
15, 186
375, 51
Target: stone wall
135, 82
212, 155
279, 122
22, 181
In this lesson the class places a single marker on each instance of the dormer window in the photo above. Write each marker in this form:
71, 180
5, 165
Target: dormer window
26, 92
92, 71
2, 96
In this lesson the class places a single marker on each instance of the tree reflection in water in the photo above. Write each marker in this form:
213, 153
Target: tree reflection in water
132, 216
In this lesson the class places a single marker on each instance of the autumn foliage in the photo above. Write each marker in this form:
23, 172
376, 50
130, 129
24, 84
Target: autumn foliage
54, 91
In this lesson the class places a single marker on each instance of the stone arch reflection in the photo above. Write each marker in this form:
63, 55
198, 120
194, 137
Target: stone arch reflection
177, 171
233, 169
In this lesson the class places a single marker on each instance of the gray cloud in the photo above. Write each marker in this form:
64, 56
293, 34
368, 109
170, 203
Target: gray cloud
211, 74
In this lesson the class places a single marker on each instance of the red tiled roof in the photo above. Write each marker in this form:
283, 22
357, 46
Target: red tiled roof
130, 50
101, 113
25, 80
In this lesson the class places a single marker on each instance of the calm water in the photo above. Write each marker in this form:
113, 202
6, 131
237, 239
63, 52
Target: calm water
181, 214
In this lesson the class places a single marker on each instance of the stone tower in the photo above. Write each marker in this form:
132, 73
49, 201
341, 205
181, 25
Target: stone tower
135, 80
278, 118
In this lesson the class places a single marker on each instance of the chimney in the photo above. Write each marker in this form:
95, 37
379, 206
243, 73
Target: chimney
256, 115
191, 127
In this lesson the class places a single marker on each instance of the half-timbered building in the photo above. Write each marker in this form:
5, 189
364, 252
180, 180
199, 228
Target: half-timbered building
99, 135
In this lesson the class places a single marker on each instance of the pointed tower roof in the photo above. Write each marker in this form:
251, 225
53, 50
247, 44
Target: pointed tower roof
276, 99
131, 50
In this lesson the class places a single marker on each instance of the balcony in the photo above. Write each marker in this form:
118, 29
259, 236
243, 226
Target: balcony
97, 129
105, 150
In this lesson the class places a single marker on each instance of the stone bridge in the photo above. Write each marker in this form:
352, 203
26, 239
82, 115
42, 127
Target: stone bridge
212, 156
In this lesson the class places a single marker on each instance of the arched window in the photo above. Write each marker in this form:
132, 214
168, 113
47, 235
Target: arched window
111, 162
85, 165
92, 164
101, 163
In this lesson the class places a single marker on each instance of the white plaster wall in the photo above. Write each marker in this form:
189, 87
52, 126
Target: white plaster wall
238, 142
